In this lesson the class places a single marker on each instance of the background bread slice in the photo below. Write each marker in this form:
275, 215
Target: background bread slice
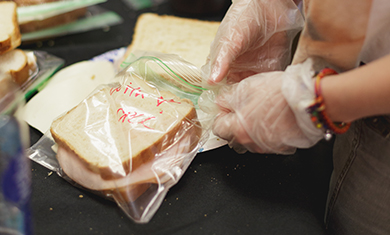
188, 38
128, 141
9, 29
16, 63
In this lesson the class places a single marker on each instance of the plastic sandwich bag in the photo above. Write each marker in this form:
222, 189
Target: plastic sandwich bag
59, 18
45, 65
40, 66
132, 139
46, 10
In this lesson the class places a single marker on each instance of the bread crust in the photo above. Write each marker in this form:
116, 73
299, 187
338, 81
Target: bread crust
5, 46
21, 75
146, 155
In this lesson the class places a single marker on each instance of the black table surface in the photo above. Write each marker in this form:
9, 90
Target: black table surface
222, 192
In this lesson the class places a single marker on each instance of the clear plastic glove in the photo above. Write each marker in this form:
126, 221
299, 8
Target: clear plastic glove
265, 113
254, 36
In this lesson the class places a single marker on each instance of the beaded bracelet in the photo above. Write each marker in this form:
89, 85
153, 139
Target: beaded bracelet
317, 109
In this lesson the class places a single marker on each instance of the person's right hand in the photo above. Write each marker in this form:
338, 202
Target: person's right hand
267, 112
254, 36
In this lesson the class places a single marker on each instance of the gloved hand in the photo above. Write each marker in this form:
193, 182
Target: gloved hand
254, 36
256, 115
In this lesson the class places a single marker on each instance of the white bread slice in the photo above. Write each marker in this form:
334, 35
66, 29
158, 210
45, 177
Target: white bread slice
188, 38
117, 129
16, 64
9, 29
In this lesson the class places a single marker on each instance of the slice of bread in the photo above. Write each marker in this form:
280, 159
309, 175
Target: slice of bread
188, 38
120, 128
16, 64
9, 29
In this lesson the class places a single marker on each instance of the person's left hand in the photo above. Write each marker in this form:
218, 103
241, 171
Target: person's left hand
255, 115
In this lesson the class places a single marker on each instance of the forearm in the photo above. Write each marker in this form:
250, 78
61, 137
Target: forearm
331, 34
361, 92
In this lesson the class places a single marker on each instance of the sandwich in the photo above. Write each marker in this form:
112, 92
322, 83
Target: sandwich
14, 63
124, 138
17, 64
9, 29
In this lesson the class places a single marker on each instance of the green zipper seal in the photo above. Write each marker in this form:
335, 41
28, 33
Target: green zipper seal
162, 65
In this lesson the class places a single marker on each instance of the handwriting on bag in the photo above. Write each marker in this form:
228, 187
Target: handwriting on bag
133, 117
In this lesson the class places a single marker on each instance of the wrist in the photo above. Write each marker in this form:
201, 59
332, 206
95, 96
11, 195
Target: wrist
303, 94
298, 90
343, 102
332, 98
318, 110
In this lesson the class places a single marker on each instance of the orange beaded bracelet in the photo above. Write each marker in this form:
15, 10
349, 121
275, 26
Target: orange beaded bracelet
317, 109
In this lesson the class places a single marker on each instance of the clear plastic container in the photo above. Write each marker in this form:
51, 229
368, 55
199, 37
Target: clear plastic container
15, 170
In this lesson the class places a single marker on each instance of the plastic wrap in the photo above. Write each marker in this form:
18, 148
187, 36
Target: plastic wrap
35, 71
46, 10
15, 171
45, 66
130, 140
60, 18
